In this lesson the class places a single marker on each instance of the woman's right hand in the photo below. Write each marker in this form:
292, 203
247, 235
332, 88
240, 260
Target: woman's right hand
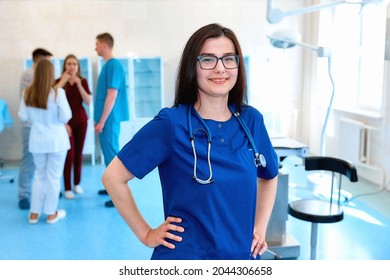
63, 80
163, 234
65, 77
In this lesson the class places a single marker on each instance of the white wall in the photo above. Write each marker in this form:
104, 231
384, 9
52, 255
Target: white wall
143, 28
279, 80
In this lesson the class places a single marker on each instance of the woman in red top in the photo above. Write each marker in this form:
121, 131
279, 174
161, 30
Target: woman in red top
77, 92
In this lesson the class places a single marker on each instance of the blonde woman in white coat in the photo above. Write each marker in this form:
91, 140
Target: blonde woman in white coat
47, 109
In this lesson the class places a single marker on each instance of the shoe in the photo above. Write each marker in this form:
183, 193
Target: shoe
78, 189
68, 194
109, 204
24, 204
61, 214
31, 220
102, 192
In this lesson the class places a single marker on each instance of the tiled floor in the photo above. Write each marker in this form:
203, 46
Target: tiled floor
92, 232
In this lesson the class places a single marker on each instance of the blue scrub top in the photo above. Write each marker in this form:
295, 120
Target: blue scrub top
219, 217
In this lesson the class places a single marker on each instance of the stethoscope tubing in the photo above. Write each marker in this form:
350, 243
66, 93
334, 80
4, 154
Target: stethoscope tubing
259, 159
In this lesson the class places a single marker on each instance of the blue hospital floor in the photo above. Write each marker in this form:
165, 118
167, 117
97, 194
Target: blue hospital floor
93, 232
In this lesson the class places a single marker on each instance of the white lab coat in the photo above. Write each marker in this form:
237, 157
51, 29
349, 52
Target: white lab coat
48, 133
49, 143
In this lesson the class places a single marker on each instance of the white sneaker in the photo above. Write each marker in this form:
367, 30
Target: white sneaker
69, 194
32, 221
78, 189
61, 214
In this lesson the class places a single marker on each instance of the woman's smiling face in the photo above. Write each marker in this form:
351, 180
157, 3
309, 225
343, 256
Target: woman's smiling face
218, 81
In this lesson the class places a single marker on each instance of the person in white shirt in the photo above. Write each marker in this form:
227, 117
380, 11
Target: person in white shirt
47, 109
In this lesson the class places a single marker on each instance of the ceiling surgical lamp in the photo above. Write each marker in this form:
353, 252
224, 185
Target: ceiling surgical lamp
284, 40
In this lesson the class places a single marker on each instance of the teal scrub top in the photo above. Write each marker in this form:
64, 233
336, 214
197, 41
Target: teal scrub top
112, 75
219, 217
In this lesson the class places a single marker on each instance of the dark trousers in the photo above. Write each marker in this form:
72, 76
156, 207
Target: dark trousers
74, 157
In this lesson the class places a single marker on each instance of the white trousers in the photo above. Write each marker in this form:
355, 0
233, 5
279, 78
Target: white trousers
46, 187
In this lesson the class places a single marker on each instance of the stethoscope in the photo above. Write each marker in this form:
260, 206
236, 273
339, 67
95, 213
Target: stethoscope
259, 159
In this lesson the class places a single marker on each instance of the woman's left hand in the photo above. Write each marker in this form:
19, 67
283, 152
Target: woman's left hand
259, 245
76, 80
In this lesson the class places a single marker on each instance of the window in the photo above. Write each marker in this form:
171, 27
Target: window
358, 44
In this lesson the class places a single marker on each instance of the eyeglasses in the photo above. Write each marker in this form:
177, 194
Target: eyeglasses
209, 62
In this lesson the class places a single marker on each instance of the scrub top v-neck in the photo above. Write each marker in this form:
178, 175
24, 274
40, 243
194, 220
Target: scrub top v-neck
218, 218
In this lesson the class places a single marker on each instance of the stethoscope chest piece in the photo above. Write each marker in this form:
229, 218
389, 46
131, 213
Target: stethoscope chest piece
260, 160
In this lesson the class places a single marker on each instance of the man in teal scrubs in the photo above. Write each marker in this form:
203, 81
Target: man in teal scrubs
111, 101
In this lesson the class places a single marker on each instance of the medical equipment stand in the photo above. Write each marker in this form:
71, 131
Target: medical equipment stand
281, 245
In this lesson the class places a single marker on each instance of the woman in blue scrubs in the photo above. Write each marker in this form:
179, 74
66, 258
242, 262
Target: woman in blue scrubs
217, 202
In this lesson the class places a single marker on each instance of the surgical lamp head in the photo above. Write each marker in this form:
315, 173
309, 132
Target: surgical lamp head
281, 44
289, 39
284, 39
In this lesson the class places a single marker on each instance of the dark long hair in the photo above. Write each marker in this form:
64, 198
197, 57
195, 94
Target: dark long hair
186, 82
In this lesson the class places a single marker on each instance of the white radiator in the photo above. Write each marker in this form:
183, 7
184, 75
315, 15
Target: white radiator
354, 141
354, 146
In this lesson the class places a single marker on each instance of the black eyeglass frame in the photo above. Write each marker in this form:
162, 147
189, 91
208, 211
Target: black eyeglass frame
236, 56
